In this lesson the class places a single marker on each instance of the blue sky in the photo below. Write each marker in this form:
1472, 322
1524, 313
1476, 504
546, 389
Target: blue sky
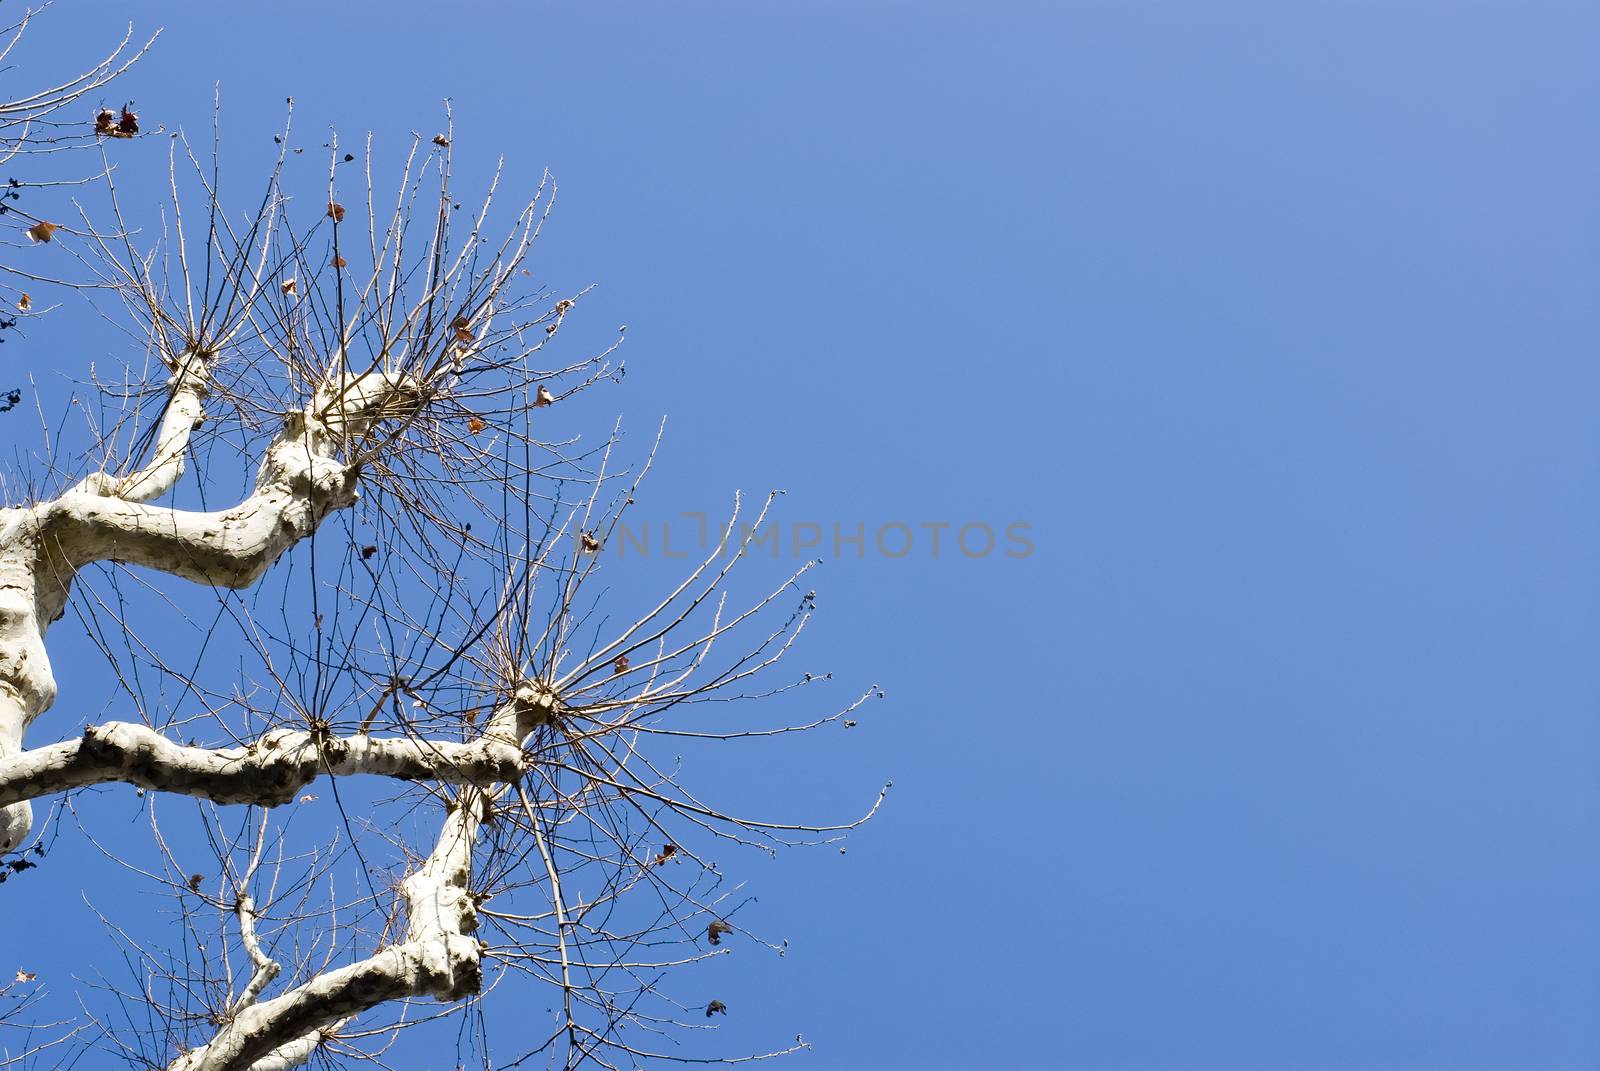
1276, 325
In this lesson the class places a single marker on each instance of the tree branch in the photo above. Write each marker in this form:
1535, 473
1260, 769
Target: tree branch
438, 958
275, 768
300, 482
185, 412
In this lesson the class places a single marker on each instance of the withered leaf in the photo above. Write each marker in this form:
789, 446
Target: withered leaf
543, 398
128, 123
621, 663
105, 121
195, 880
288, 286
338, 261
716, 1007
475, 424
667, 852
441, 141
464, 335
336, 211
562, 306
590, 543
42, 231
368, 551
27, 976
715, 931
25, 303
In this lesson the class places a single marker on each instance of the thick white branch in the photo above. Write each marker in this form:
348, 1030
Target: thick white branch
300, 482
439, 958
185, 412
273, 769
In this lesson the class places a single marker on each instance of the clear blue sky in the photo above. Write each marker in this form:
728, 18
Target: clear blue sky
1276, 322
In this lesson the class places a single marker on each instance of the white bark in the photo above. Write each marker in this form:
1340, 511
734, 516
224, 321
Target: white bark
266, 968
185, 412
286, 1057
269, 771
273, 1016
439, 958
302, 479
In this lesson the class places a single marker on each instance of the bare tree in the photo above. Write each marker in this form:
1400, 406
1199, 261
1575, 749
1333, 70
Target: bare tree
332, 426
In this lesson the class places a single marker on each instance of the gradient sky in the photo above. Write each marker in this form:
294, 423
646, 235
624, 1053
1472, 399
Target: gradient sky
1277, 325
